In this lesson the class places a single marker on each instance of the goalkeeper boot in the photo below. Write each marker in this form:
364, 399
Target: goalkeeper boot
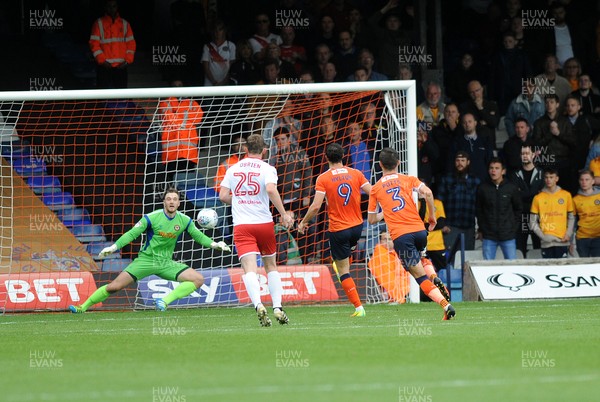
160, 305
263, 318
76, 309
443, 289
449, 312
281, 316
360, 312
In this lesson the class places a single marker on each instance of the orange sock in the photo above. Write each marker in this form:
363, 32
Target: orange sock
350, 289
429, 270
433, 292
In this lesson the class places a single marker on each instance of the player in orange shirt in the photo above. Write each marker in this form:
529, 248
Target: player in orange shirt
341, 186
394, 194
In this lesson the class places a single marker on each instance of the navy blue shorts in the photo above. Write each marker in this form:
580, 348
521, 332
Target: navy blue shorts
343, 242
409, 247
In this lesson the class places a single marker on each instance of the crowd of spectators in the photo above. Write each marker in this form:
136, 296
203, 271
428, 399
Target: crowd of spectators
526, 70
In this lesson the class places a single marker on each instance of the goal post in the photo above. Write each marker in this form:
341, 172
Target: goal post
81, 167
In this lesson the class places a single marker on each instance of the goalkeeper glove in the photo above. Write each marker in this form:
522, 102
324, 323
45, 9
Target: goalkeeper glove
108, 250
222, 246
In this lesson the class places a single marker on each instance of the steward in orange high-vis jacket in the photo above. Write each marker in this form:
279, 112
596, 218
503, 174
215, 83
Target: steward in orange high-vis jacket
113, 46
180, 116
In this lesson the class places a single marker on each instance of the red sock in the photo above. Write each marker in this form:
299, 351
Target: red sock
350, 289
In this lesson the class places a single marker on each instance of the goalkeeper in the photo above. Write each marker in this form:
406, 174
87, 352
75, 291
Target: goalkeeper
163, 227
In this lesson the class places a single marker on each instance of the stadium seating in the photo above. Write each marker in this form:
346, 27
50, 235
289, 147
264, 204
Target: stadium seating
185, 181
74, 216
26, 166
15, 149
44, 184
454, 283
88, 233
59, 200
114, 264
94, 248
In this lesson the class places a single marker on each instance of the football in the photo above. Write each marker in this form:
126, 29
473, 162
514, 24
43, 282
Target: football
208, 218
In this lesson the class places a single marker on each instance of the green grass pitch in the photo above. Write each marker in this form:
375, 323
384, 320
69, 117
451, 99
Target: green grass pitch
493, 351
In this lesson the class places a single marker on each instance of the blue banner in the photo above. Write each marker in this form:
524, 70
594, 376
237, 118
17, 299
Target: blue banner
217, 289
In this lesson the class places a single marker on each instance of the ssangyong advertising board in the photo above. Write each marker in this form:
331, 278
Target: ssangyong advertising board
504, 282
225, 286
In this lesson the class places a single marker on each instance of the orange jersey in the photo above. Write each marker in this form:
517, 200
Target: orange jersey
342, 191
394, 193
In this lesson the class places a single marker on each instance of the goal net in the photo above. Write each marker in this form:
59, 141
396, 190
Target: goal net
80, 168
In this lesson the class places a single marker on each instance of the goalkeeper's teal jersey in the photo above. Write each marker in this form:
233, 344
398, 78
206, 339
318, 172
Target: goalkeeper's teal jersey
162, 234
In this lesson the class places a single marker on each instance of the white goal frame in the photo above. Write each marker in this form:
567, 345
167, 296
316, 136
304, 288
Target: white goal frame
395, 105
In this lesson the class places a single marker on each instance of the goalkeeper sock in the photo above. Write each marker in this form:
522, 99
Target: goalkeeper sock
350, 289
252, 287
275, 288
184, 289
98, 296
431, 290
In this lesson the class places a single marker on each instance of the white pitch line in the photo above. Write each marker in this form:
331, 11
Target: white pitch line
300, 388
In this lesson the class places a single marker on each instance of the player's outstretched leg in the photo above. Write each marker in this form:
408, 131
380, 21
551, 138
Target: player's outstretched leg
434, 294
263, 318
432, 275
352, 294
276, 290
98, 296
442, 288
181, 291
449, 312
281, 316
